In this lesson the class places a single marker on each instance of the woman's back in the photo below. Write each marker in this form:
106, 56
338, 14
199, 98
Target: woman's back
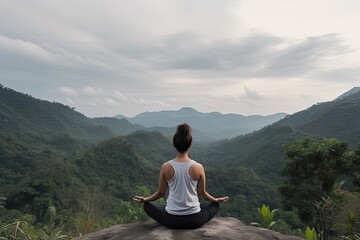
183, 198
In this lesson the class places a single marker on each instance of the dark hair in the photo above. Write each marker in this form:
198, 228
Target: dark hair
182, 138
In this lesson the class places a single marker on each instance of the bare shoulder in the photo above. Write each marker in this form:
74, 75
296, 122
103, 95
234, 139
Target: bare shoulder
198, 167
167, 170
166, 166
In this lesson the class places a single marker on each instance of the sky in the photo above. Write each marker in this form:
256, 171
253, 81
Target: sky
110, 57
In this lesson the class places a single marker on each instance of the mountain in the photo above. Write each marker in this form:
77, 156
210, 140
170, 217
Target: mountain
348, 93
117, 126
335, 119
152, 146
263, 150
21, 114
115, 168
214, 125
34, 132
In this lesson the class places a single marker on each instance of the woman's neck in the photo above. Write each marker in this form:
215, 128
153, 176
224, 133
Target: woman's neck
182, 157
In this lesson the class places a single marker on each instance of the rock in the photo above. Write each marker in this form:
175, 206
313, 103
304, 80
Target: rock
217, 228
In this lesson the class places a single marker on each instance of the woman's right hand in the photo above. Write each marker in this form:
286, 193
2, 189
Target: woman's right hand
139, 199
222, 199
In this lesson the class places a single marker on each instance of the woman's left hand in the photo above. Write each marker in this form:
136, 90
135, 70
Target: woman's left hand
222, 199
139, 199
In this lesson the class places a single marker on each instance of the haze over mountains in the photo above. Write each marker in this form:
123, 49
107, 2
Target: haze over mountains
213, 125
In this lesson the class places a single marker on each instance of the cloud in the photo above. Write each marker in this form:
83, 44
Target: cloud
305, 56
187, 51
253, 56
92, 91
97, 97
66, 91
143, 55
22, 55
252, 94
120, 96
24, 48
344, 74
109, 101
69, 100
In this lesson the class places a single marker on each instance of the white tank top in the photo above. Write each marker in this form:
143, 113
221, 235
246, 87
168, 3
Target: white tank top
183, 198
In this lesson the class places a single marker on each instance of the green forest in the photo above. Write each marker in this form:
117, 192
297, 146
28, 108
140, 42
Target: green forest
63, 175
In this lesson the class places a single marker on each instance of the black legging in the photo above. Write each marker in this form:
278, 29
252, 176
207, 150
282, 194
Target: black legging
196, 220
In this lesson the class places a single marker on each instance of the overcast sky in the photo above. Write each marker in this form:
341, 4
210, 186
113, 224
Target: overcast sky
109, 57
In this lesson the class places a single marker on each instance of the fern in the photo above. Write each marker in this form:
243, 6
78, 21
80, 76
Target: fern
267, 217
310, 234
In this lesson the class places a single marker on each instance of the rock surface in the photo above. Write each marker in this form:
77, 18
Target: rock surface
217, 228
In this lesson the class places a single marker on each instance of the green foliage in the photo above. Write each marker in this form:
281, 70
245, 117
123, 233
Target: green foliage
355, 237
326, 210
89, 212
310, 234
22, 230
53, 234
311, 173
267, 217
128, 212
347, 217
14, 231
2, 201
310, 184
115, 168
83, 223
245, 188
353, 159
351, 221
151, 145
262, 151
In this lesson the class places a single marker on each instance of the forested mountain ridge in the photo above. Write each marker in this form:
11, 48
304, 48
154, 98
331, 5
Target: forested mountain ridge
263, 150
117, 126
214, 124
336, 119
348, 93
21, 113
153, 146
114, 167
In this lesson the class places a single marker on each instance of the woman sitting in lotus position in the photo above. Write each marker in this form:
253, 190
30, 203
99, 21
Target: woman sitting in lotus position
186, 180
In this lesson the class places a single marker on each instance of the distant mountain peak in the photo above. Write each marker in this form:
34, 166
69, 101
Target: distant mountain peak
352, 91
188, 110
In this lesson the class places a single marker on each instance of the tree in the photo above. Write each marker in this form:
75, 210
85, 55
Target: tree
354, 166
2, 201
311, 173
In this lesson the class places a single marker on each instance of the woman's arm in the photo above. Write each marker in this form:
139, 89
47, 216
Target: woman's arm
162, 187
202, 186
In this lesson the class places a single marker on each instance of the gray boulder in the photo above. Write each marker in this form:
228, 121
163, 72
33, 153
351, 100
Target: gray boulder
217, 228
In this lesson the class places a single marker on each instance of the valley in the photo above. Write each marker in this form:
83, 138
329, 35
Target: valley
61, 168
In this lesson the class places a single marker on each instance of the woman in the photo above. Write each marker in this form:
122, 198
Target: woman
186, 180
